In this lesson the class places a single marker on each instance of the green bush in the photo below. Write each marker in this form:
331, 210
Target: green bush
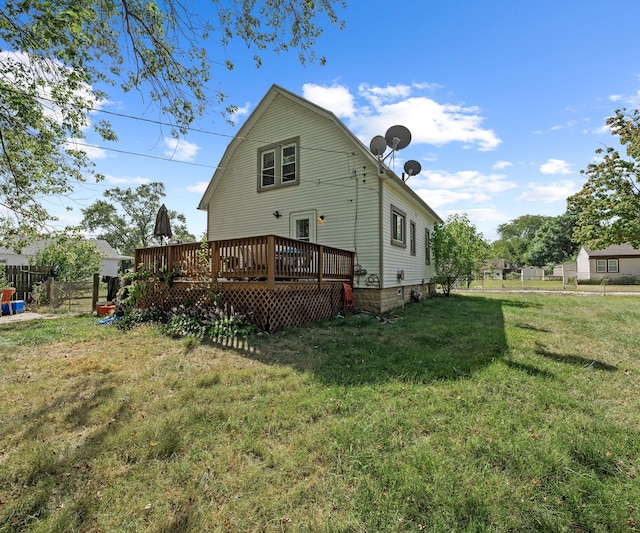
199, 322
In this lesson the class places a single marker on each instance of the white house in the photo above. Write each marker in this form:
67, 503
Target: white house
615, 261
295, 170
110, 261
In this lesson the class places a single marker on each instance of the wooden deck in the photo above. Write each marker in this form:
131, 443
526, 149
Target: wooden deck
274, 281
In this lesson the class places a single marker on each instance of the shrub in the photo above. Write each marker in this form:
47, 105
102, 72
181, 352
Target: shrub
198, 322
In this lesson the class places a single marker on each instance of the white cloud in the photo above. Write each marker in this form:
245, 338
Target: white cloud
554, 192
486, 215
382, 107
199, 187
615, 97
429, 122
336, 98
500, 165
114, 180
439, 197
179, 149
568, 124
556, 166
241, 111
471, 181
378, 95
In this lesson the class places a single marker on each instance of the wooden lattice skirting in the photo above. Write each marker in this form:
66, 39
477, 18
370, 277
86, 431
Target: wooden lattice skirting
288, 304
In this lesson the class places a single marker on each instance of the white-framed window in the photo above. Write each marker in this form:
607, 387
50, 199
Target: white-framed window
606, 265
302, 225
398, 227
427, 247
279, 165
412, 237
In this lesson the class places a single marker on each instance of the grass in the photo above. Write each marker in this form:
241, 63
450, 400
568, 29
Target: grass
478, 412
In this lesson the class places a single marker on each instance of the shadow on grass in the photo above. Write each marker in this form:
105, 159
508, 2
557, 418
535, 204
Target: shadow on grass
528, 369
576, 360
436, 339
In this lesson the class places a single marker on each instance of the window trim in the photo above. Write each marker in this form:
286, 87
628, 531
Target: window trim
604, 266
310, 215
412, 237
427, 246
279, 164
396, 212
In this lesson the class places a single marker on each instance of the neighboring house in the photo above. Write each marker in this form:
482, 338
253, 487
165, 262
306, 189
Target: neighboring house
110, 262
496, 269
295, 170
615, 261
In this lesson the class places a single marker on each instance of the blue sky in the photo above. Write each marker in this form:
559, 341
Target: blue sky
506, 102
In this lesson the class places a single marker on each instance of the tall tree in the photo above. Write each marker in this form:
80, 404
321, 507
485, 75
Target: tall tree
54, 54
553, 242
515, 238
459, 251
608, 205
127, 217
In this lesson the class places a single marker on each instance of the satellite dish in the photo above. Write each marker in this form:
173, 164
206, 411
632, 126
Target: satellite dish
378, 145
397, 137
412, 167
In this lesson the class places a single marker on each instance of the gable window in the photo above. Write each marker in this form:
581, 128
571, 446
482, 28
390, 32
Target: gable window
398, 227
412, 237
268, 171
278, 165
427, 247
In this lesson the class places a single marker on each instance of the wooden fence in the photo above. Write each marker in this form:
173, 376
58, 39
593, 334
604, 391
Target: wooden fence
25, 279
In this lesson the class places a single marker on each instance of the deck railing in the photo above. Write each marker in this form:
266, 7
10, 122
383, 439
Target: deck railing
267, 258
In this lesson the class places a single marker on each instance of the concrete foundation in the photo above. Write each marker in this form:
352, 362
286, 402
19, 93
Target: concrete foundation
383, 300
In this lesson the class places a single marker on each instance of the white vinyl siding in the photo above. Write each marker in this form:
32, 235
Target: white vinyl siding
341, 187
397, 258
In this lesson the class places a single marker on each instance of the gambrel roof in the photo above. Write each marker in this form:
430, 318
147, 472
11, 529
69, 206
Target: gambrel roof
257, 114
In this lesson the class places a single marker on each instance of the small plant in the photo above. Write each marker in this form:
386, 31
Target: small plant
4, 282
210, 322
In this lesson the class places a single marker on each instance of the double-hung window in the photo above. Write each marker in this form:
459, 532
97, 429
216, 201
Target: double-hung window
398, 227
606, 265
279, 165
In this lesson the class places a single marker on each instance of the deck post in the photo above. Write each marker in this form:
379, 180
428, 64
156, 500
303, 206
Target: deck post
320, 264
271, 262
215, 260
169, 266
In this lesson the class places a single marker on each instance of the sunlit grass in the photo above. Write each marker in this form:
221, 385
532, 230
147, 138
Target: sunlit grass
500, 412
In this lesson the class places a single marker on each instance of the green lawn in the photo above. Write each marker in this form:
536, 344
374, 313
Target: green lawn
478, 412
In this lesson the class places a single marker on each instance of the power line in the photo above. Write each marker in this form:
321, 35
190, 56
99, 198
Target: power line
160, 123
75, 142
